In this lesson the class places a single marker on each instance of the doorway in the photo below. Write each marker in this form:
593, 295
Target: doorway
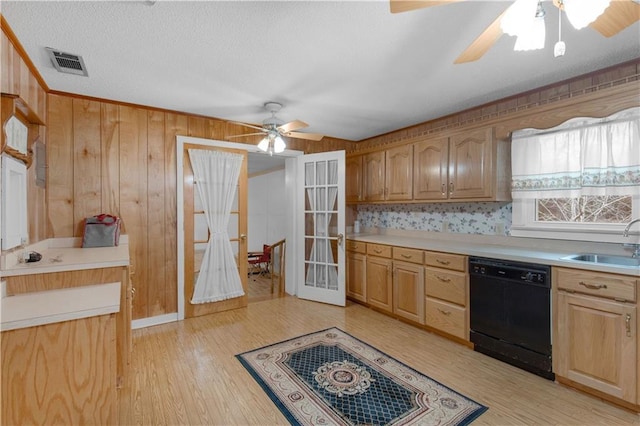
257, 164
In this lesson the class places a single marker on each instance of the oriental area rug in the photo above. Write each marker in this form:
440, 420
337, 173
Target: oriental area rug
332, 378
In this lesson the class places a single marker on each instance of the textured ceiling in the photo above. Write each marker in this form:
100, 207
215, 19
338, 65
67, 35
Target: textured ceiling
350, 69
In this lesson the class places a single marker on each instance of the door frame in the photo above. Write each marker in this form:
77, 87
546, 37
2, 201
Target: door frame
290, 179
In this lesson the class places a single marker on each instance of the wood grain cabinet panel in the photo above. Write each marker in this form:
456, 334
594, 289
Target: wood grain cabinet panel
353, 179
456, 262
399, 173
446, 317
408, 291
374, 175
357, 246
596, 344
379, 250
595, 335
61, 373
471, 164
431, 169
407, 255
357, 276
379, 283
446, 285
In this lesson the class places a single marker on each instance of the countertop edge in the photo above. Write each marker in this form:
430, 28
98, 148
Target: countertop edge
54, 306
517, 254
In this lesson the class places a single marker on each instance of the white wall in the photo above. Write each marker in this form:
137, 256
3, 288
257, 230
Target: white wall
267, 209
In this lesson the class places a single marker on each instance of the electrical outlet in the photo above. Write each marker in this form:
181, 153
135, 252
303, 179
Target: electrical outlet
445, 226
499, 228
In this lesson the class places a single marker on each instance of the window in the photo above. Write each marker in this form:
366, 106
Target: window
578, 181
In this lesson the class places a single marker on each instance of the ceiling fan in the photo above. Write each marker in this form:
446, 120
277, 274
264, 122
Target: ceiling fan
613, 17
274, 129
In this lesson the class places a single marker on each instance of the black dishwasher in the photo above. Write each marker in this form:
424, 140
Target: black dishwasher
510, 313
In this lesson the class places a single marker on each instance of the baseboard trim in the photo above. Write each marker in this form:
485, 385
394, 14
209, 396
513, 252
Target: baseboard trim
151, 321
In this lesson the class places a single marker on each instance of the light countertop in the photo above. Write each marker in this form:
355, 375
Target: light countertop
64, 254
52, 306
505, 248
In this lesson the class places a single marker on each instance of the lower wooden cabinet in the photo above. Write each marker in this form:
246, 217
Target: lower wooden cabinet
595, 337
446, 317
596, 344
379, 283
408, 291
357, 276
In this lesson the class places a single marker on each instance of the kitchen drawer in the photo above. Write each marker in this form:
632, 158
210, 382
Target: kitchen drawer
379, 250
599, 284
457, 262
446, 317
356, 246
446, 285
407, 255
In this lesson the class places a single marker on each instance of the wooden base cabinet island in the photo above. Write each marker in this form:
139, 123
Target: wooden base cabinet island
66, 335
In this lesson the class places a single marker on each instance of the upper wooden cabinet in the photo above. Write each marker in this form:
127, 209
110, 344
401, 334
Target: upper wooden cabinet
471, 165
374, 174
399, 173
388, 175
354, 181
430, 169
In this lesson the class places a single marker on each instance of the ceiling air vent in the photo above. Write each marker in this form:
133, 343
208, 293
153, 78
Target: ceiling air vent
67, 62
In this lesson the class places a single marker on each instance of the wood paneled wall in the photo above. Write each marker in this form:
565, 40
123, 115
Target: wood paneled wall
107, 157
18, 78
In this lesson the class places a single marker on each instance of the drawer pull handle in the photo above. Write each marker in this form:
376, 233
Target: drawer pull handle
444, 280
444, 189
406, 256
627, 321
592, 286
378, 251
443, 312
443, 262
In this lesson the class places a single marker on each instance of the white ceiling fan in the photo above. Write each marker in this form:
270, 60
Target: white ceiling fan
608, 17
274, 129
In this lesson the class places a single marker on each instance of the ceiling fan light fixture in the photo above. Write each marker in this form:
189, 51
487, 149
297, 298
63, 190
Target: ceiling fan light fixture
278, 145
518, 17
533, 38
264, 144
583, 12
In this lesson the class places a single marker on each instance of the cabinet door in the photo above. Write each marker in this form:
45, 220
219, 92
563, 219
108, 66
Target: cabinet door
379, 289
471, 172
374, 173
353, 179
595, 344
356, 276
430, 169
399, 173
408, 291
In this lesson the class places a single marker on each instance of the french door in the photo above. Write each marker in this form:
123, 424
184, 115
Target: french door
197, 234
321, 227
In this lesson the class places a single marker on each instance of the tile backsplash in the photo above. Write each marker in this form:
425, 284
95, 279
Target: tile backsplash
486, 218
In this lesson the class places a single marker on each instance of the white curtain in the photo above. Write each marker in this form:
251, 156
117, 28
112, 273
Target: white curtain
322, 191
583, 156
216, 175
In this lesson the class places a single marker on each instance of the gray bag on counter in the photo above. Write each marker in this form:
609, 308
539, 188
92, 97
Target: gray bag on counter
102, 230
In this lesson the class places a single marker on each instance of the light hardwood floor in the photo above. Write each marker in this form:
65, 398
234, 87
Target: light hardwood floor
185, 373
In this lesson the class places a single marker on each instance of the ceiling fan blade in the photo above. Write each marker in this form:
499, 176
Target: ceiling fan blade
310, 136
618, 16
483, 43
250, 126
398, 6
245, 135
292, 125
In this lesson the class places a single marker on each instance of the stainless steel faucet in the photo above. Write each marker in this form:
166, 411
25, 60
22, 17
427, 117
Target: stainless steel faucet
626, 230
636, 247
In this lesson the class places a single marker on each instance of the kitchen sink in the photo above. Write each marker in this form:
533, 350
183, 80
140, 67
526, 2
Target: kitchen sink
605, 259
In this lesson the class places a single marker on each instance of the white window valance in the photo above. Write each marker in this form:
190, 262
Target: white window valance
583, 156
